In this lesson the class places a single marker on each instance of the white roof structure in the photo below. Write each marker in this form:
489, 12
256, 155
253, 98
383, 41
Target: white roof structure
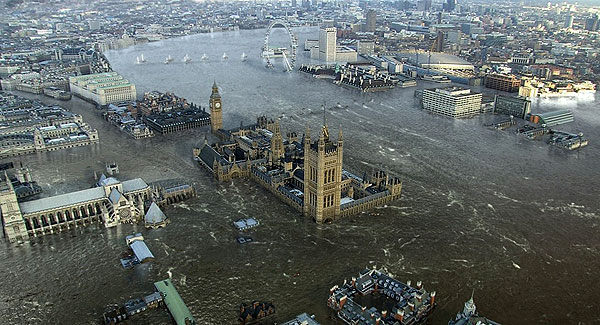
108, 181
155, 215
63, 200
83, 196
141, 251
244, 224
135, 184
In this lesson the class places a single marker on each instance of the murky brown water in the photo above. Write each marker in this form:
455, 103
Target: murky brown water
517, 220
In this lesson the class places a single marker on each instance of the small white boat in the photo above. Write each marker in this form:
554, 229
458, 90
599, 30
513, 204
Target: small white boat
142, 58
204, 57
137, 60
187, 59
244, 56
168, 60
225, 57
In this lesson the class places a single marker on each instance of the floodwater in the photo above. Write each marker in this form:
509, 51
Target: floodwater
515, 220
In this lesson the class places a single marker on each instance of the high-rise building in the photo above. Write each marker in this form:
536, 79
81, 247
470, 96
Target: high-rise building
439, 41
424, 5
322, 176
216, 110
327, 44
371, 20
503, 82
450, 5
452, 101
569, 21
592, 23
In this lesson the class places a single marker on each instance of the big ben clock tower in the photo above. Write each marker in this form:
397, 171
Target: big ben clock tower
216, 110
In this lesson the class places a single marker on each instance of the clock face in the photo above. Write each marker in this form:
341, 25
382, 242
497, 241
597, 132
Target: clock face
217, 105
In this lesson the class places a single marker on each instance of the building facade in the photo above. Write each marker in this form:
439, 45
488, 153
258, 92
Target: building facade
455, 102
507, 83
371, 21
103, 88
327, 44
165, 123
323, 176
110, 203
516, 106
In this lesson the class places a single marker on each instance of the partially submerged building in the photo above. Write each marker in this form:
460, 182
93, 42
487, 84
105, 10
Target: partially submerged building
400, 303
552, 118
110, 203
306, 174
103, 88
469, 316
141, 252
180, 312
302, 319
154, 217
28, 127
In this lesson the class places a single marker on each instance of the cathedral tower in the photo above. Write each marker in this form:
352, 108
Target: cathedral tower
216, 110
323, 176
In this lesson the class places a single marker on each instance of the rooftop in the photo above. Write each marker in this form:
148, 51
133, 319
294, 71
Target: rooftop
180, 312
63, 200
424, 59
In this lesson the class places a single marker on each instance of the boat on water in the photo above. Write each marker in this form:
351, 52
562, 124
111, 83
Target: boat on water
187, 59
204, 57
224, 57
168, 60
137, 60
142, 58
244, 56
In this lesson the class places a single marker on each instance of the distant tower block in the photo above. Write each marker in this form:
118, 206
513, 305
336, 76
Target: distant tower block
216, 110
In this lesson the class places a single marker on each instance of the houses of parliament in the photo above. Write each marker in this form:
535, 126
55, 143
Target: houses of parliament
307, 174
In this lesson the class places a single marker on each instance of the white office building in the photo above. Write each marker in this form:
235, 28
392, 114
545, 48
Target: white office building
452, 101
103, 88
326, 48
327, 44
